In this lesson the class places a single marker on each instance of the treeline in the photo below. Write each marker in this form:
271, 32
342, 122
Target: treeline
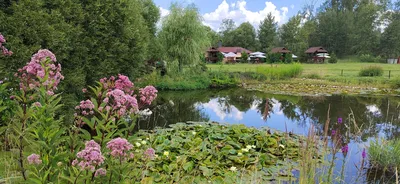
91, 39
343, 27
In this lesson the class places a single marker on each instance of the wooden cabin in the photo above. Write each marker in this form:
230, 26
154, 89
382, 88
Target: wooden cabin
312, 53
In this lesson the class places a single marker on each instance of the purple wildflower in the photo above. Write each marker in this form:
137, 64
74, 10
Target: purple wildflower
364, 154
340, 120
333, 132
345, 149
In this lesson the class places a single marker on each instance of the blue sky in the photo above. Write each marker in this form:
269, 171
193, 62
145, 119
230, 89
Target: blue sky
253, 11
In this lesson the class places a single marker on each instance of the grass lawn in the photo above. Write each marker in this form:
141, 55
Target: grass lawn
324, 70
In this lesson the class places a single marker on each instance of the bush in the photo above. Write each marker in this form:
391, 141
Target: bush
224, 79
384, 154
274, 57
333, 58
371, 71
366, 58
288, 58
281, 71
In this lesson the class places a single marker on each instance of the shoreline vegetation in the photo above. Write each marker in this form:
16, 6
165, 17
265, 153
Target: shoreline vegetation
291, 79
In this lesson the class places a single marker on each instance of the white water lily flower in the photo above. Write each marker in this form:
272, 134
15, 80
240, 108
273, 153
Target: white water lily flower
282, 146
144, 142
233, 168
146, 112
137, 144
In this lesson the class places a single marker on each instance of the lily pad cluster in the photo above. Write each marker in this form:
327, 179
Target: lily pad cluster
201, 152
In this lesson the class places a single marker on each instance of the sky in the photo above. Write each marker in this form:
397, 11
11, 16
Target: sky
253, 11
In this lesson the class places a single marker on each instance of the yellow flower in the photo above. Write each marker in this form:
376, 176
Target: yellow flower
166, 153
240, 154
137, 144
233, 168
144, 142
194, 133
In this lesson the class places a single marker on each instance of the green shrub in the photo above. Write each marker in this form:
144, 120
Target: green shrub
384, 154
224, 79
313, 76
333, 58
366, 58
371, 71
274, 57
281, 71
288, 58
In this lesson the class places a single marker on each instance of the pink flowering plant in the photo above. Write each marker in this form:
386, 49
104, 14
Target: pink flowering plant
34, 123
112, 108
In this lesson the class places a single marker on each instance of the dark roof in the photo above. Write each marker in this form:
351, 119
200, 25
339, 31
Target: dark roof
312, 50
212, 49
233, 49
280, 50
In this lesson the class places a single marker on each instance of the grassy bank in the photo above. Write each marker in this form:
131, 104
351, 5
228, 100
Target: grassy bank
321, 78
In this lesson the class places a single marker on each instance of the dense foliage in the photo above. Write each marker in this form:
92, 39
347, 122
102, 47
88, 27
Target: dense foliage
345, 27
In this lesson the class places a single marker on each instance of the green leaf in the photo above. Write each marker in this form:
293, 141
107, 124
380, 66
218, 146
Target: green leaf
188, 166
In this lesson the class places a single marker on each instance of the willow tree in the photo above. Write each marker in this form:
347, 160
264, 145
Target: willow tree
183, 36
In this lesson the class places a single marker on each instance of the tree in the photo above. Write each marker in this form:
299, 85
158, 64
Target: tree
227, 29
289, 34
212, 36
245, 57
391, 36
267, 33
245, 36
183, 35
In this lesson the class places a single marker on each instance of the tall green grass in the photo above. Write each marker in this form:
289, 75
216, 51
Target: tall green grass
385, 154
281, 71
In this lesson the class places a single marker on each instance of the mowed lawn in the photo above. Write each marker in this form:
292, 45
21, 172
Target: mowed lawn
324, 70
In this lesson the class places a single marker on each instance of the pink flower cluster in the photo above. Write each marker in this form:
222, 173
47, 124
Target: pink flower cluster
150, 153
121, 103
148, 94
42, 70
122, 83
90, 157
119, 147
86, 108
34, 159
100, 172
5, 51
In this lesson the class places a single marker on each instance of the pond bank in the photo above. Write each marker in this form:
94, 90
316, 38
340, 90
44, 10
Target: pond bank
313, 87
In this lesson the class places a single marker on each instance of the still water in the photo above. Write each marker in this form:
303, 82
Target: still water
364, 118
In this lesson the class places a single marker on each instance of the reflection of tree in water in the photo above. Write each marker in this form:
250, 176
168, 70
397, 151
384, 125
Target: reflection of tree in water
170, 108
372, 115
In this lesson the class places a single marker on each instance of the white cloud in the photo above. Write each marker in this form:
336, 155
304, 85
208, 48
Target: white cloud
164, 12
239, 13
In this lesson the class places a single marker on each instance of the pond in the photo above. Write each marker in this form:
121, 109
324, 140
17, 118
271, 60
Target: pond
364, 117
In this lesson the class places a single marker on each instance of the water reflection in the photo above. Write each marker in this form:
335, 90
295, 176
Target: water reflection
365, 117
